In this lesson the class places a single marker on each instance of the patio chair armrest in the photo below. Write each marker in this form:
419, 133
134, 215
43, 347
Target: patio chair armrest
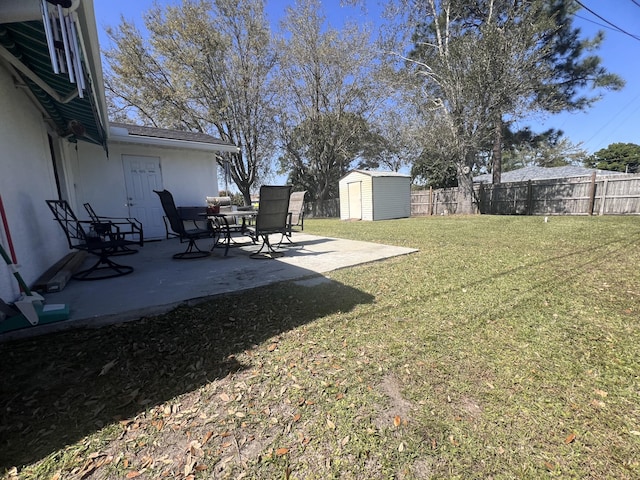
195, 224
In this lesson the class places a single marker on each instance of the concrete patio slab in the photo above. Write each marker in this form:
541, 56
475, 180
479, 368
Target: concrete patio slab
160, 283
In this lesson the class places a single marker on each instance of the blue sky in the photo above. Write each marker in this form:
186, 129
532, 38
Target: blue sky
615, 118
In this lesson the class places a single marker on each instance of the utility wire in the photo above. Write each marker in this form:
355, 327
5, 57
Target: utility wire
594, 22
607, 21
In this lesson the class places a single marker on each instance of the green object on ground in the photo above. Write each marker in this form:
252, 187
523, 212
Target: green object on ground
46, 314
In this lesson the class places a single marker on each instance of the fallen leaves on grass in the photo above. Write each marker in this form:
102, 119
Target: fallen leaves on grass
207, 437
94, 461
570, 438
108, 367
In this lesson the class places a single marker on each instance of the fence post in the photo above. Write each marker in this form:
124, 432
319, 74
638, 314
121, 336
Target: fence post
603, 197
592, 194
491, 192
430, 201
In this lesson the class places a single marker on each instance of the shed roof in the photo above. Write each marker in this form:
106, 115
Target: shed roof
544, 173
374, 173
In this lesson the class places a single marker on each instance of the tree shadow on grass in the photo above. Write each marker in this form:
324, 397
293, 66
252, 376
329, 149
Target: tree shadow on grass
62, 387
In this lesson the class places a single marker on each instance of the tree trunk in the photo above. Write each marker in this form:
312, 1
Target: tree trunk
496, 168
466, 195
247, 198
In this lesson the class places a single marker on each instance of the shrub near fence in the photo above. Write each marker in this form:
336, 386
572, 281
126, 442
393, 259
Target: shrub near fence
607, 195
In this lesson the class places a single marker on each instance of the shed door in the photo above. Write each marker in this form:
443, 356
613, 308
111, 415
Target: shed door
355, 200
143, 176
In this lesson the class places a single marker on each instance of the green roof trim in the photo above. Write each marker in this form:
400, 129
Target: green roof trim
27, 43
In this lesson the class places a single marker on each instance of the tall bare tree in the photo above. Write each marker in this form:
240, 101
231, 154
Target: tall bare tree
329, 93
206, 67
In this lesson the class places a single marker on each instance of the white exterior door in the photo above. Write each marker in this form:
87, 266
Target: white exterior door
355, 200
143, 176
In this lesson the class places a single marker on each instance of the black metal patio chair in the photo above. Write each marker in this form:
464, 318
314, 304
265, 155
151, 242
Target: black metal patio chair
128, 229
272, 218
96, 238
178, 226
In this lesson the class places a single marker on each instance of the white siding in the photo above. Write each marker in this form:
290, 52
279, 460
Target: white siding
365, 196
391, 197
26, 181
384, 195
190, 175
86, 174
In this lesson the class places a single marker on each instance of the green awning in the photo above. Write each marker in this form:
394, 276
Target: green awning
74, 117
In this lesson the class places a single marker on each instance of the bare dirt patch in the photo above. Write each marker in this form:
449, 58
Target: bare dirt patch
398, 410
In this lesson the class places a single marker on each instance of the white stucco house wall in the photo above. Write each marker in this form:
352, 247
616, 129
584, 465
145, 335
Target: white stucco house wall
372, 195
57, 143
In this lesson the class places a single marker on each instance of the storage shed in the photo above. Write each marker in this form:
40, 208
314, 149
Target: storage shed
369, 195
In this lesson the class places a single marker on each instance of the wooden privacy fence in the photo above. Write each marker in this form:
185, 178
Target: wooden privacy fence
441, 201
328, 208
606, 195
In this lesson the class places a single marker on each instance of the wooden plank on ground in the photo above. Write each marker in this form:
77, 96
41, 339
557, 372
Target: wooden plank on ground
41, 283
56, 277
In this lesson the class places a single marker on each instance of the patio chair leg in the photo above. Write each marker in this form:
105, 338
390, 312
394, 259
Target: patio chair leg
270, 251
192, 251
123, 250
287, 237
222, 235
103, 268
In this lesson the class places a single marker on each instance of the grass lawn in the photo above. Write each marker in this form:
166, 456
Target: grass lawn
506, 348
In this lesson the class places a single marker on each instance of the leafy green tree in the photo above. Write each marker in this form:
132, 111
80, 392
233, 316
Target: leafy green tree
390, 145
434, 171
521, 148
619, 157
489, 60
205, 67
319, 151
525, 148
328, 93
436, 165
